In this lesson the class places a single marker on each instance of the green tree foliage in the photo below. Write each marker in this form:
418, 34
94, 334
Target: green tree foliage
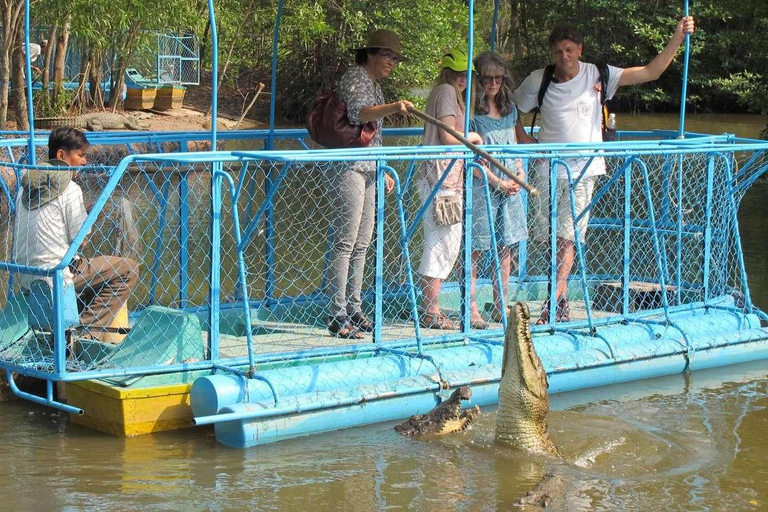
317, 36
115, 33
728, 53
727, 70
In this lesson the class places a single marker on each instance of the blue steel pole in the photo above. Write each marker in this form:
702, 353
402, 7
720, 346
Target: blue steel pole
214, 73
627, 233
183, 238
59, 341
656, 237
273, 79
577, 243
684, 91
379, 273
681, 135
269, 221
679, 234
31, 158
48, 401
220, 175
466, 281
494, 242
552, 286
467, 249
214, 293
708, 223
734, 211
407, 257
470, 44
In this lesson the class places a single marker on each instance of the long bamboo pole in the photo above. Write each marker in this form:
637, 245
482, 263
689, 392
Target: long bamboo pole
476, 150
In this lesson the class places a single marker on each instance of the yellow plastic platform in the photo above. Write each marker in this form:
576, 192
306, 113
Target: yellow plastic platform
141, 405
140, 98
169, 97
130, 412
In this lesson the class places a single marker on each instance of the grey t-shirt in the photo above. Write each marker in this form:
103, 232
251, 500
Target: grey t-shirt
442, 102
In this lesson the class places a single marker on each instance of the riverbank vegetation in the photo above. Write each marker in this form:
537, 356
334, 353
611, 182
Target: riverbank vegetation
729, 54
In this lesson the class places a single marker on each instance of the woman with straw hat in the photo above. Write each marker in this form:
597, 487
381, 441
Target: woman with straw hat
352, 185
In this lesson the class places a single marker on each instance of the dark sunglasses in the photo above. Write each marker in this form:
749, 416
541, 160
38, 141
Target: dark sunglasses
487, 79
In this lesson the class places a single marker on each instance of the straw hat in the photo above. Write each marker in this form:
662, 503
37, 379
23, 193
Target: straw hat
383, 38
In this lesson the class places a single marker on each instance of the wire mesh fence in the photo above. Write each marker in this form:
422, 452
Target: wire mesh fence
233, 258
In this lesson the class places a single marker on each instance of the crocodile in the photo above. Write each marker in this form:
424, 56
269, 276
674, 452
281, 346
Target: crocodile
94, 121
521, 420
446, 418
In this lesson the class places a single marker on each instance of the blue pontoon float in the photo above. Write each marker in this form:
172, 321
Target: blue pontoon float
236, 242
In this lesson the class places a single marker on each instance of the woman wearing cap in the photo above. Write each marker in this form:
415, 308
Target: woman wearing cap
352, 185
442, 241
498, 123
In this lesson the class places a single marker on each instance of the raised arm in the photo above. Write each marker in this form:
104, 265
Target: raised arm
661, 62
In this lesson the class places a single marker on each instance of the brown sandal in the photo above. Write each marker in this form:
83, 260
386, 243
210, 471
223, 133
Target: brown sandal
436, 321
339, 327
362, 323
544, 316
562, 312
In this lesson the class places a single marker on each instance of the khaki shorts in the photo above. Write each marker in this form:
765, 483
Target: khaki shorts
540, 208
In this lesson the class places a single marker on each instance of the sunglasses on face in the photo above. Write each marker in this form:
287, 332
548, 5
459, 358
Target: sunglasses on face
487, 79
391, 57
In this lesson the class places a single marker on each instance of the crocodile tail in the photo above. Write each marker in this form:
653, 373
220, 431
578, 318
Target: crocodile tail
49, 123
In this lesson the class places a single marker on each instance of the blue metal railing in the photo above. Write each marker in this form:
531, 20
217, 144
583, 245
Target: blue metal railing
632, 155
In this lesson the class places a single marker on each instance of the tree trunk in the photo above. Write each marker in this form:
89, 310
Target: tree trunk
19, 94
18, 78
515, 30
11, 10
122, 63
94, 77
46, 78
204, 45
62, 42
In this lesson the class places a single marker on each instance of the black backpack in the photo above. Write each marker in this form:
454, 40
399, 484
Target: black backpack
609, 134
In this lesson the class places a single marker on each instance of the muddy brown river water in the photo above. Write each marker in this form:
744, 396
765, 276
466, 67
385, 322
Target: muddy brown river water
684, 442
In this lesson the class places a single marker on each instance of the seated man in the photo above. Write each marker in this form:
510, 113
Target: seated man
50, 212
